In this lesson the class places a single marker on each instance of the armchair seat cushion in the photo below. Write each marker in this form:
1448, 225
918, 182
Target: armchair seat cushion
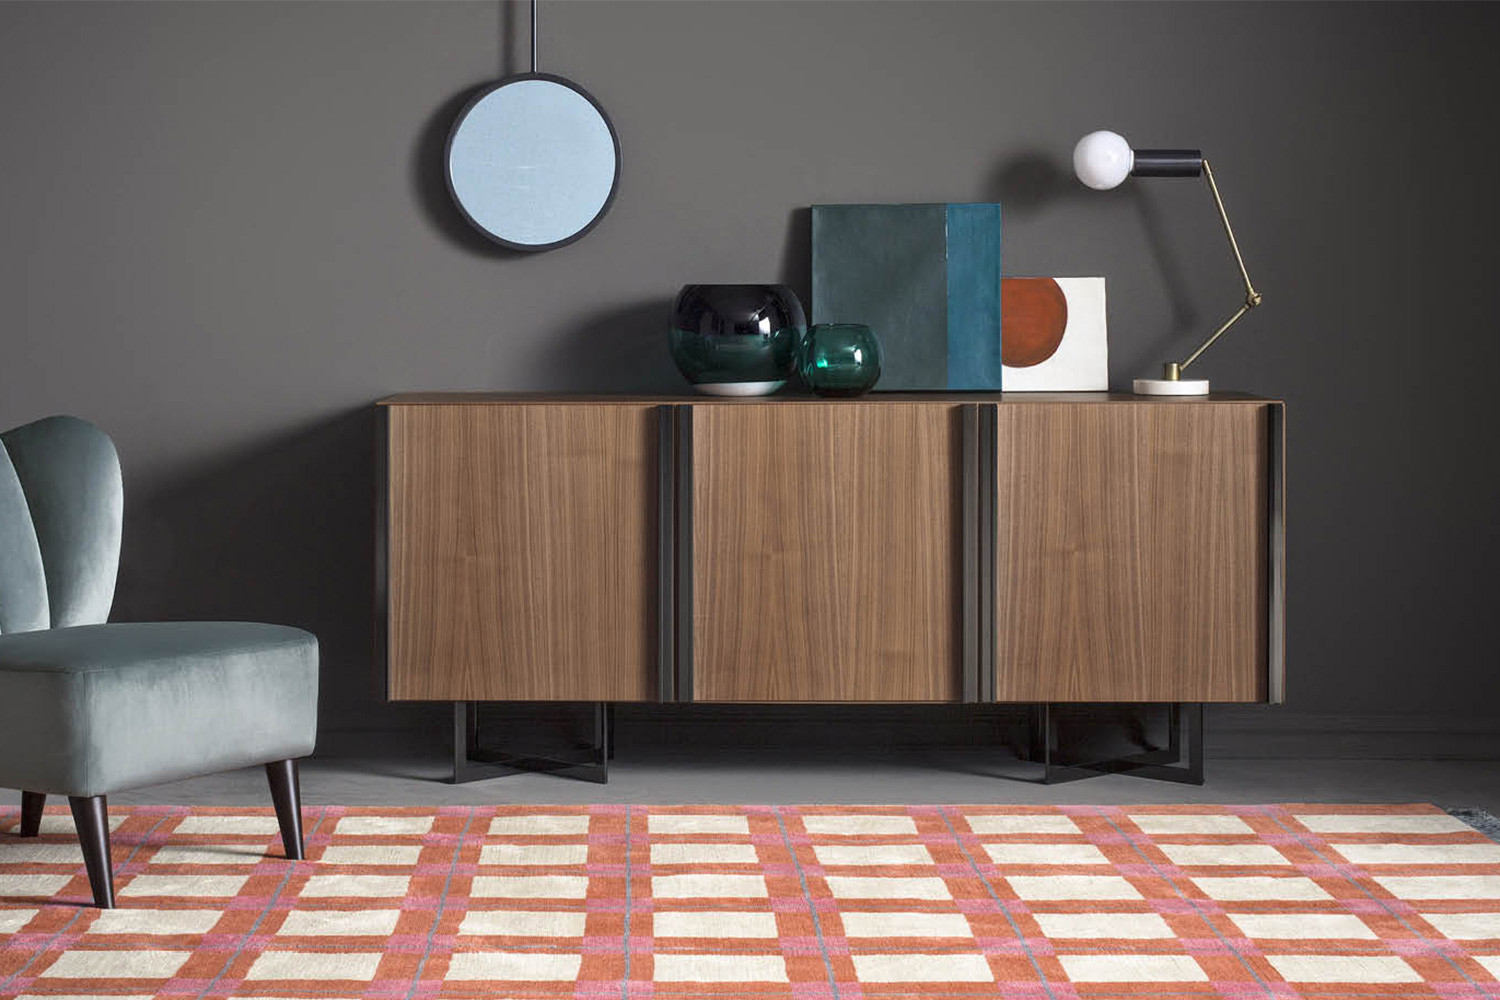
96, 709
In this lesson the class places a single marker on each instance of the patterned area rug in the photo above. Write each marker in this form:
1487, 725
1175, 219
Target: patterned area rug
812, 903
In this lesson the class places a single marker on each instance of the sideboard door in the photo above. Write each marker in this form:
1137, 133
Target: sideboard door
826, 561
1131, 551
522, 548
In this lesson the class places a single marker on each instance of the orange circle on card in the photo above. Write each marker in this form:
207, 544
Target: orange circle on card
1033, 316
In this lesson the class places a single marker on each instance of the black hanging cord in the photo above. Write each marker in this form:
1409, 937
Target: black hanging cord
533, 36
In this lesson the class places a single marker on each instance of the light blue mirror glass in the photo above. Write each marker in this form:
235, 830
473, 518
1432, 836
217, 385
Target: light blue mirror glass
533, 162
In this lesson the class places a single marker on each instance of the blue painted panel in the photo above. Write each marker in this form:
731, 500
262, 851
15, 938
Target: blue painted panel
974, 297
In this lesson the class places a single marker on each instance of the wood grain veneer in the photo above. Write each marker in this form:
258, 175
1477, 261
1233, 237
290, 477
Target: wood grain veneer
1131, 552
522, 552
826, 552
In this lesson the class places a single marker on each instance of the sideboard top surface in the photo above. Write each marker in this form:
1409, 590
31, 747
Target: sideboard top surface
623, 399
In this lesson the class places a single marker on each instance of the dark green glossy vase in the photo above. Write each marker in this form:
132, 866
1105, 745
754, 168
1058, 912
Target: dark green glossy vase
736, 340
839, 359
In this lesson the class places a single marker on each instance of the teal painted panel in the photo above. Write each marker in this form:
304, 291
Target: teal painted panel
974, 297
886, 266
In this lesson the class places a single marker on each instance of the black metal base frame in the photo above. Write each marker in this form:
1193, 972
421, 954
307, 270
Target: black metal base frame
1184, 733
1181, 760
474, 762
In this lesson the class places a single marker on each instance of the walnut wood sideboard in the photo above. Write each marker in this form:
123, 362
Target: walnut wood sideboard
1031, 548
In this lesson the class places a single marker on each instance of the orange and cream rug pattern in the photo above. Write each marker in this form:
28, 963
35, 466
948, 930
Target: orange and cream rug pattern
750, 902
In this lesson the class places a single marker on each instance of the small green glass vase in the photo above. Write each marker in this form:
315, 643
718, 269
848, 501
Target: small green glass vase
839, 359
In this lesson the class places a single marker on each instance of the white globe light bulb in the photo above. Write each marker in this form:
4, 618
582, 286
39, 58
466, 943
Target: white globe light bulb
1103, 159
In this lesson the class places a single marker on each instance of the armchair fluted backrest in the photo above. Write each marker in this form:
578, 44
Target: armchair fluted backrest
61, 506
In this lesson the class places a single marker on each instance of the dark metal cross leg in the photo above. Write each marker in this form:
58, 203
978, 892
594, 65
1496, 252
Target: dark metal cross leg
474, 762
1185, 736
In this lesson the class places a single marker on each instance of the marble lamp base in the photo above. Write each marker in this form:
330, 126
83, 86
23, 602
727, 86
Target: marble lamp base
1170, 387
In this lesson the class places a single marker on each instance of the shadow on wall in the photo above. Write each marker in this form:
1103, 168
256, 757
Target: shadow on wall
1030, 182
796, 257
279, 531
430, 186
620, 349
512, 40
1184, 314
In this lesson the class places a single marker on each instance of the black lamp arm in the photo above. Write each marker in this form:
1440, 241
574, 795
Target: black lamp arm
1168, 163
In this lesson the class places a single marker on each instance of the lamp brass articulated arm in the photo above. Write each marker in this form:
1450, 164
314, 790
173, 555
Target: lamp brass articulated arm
1173, 370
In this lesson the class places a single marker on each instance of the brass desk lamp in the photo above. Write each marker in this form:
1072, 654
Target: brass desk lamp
1102, 160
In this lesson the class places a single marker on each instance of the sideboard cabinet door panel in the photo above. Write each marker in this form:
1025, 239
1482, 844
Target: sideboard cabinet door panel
826, 559
1131, 552
522, 552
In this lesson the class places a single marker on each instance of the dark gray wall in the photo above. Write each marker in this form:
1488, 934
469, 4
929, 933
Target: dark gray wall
223, 233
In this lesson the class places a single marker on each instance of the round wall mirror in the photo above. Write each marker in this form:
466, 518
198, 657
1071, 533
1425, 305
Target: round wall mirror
533, 162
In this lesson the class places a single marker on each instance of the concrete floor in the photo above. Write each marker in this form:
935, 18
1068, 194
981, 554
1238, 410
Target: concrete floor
660, 775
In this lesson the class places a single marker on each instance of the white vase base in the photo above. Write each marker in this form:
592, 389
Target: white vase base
739, 388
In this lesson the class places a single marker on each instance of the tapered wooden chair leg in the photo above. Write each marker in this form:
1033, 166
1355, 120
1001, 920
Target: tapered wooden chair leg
31, 812
286, 794
91, 817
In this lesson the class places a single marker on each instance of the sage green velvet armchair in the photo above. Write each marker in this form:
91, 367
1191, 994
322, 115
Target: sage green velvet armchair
88, 708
